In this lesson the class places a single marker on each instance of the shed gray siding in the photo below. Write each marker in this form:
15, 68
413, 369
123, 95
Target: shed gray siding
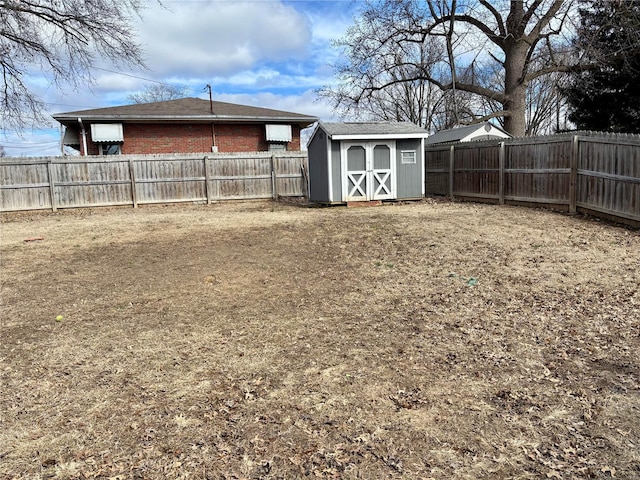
336, 171
318, 168
409, 176
326, 162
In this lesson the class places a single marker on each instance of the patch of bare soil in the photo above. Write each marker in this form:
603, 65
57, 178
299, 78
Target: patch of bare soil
259, 340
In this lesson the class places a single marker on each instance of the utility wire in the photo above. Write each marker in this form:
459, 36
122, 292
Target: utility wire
136, 76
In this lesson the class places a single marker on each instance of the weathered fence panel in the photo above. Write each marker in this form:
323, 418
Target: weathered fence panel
241, 178
90, 183
66, 182
476, 173
170, 180
609, 177
595, 173
25, 186
289, 179
437, 170
538, 172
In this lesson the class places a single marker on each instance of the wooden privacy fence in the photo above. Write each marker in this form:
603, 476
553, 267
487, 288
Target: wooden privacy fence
592, 173
65, 182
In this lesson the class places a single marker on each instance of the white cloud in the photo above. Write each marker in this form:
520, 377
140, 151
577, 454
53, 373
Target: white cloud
267, 79
305, 103
221, 38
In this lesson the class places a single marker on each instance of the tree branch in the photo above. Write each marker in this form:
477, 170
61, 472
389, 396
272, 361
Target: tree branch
551, 13
496, 15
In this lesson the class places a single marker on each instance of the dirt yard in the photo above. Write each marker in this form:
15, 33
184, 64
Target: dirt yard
262, 340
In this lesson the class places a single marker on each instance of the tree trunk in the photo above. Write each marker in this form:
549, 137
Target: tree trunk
515, 120
515, 60
515, 88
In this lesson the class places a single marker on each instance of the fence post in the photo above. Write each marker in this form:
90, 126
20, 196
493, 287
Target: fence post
451, 159
573, 178
52, 186
501, 159
132, 174
305, 181
207, 176
274, 178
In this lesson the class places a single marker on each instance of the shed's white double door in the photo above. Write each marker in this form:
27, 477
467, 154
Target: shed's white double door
368, 171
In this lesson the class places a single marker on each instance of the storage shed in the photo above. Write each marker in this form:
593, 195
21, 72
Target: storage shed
365, 161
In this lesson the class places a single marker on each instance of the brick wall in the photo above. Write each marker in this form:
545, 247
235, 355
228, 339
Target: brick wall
195, 138
241, 138
166, 138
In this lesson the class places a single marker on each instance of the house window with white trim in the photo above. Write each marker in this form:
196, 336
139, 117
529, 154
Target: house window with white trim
277, 147
407, 156
110, 148
278, 136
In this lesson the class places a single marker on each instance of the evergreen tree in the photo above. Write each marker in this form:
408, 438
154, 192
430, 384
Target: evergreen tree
606, 96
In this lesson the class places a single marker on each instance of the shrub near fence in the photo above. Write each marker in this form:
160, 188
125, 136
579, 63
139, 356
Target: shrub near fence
587, 172
66, 182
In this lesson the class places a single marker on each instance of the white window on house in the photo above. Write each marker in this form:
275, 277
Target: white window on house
278, 133
278, 136
408, 156
110, 148
277, 147
107, 132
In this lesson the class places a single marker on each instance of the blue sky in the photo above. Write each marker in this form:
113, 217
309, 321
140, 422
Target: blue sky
267, 53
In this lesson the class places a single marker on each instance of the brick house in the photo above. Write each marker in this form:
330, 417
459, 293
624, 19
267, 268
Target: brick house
187, 125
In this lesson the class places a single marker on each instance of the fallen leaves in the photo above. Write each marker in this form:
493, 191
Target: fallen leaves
321, 343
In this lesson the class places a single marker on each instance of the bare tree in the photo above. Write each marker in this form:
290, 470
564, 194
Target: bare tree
546, 105
406, 94
158, 92
2, 151
61, 40
520, 41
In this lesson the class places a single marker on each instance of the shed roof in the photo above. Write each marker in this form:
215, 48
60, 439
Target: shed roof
185, 109
459, 134
363, 130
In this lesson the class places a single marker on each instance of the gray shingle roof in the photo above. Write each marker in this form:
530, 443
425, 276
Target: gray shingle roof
371, 128
185, 109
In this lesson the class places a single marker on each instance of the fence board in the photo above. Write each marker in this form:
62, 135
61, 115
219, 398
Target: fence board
66, 182
25, 187
437, 171
609, 177
289, 177
588, 172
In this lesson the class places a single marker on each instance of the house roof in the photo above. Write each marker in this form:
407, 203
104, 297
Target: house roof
378, 130
466, 133
184, 109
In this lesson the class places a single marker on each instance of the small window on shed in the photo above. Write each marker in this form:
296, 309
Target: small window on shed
408, 156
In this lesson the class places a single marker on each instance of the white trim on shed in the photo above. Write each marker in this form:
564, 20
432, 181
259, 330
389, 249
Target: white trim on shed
391, 136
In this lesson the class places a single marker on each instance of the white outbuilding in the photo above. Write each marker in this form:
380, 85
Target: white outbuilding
468, 133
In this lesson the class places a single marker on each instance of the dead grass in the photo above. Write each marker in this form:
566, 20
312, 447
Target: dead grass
257, 340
